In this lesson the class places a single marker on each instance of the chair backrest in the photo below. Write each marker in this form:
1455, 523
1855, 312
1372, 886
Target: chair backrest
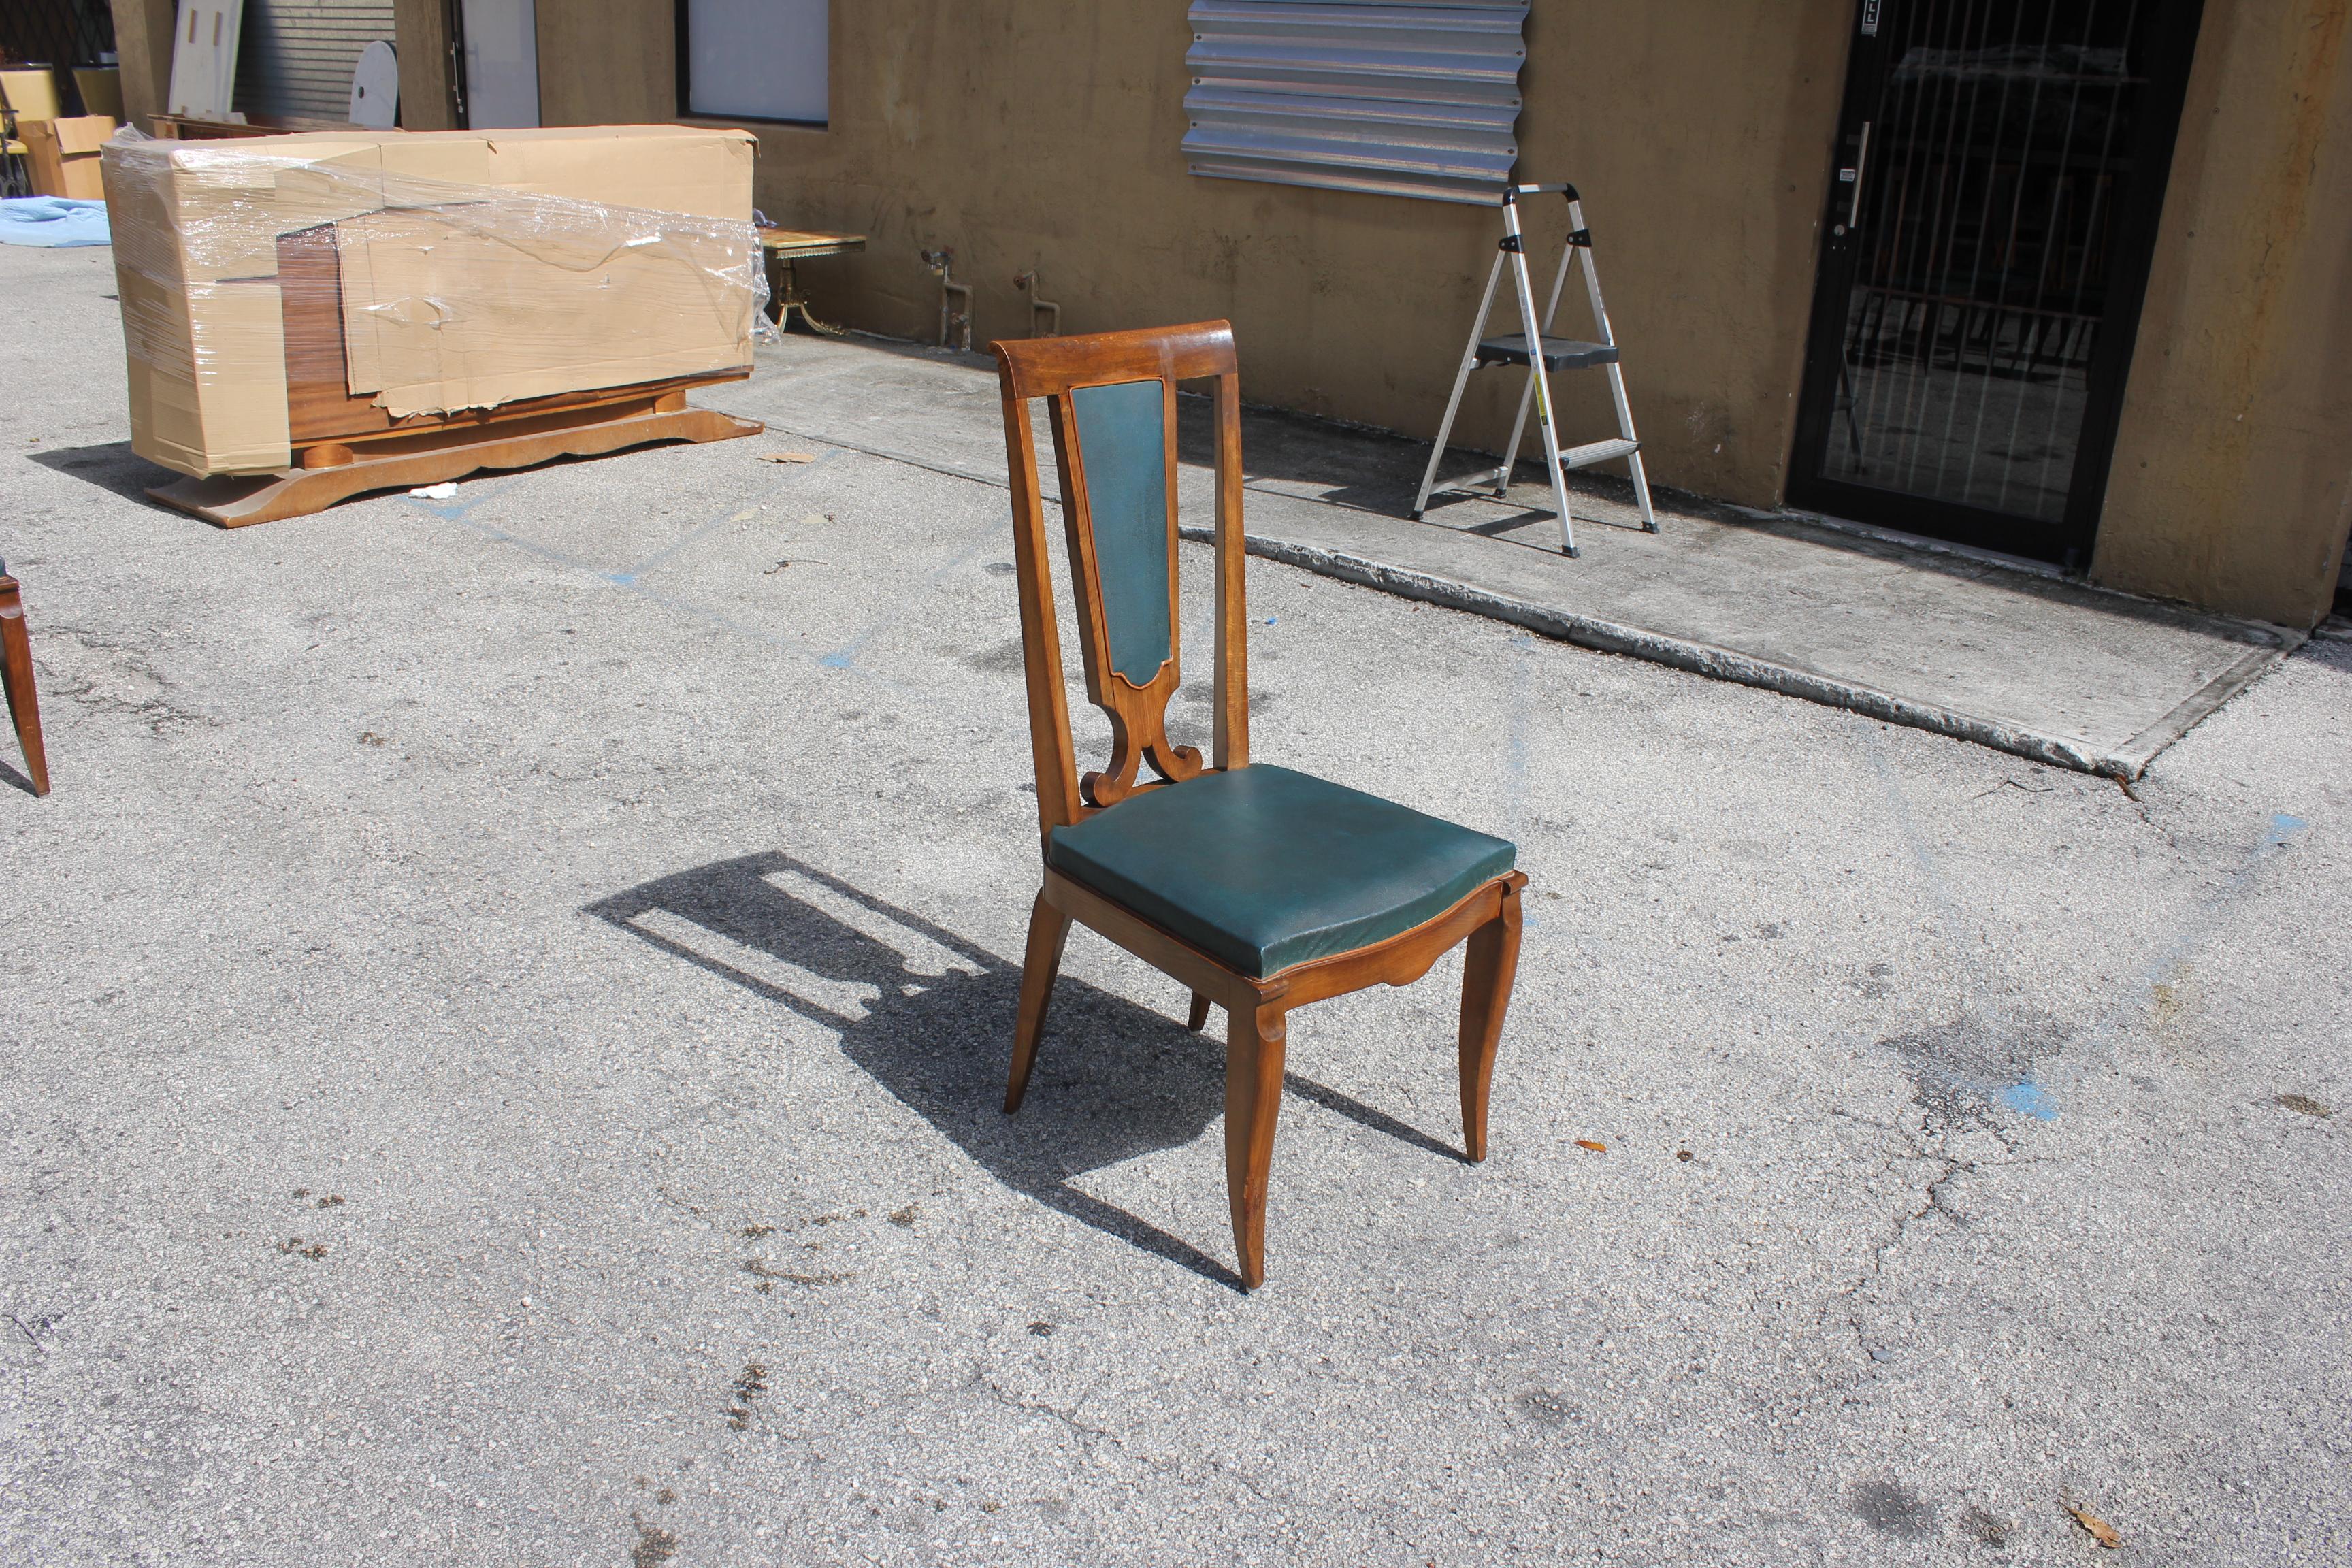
1112, 403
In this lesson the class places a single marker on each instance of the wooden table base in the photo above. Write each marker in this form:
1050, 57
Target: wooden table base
428, 458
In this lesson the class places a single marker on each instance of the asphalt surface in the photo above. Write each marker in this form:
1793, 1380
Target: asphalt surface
506, 1009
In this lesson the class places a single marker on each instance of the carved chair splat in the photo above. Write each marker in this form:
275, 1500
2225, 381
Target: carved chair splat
1259, 889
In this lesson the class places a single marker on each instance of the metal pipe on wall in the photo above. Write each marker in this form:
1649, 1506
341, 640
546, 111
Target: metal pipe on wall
939, 261
1028, 281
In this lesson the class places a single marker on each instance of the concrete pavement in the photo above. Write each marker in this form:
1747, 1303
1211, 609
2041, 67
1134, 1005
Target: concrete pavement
505, 1008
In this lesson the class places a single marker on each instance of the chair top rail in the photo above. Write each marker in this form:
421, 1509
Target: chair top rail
1047, 367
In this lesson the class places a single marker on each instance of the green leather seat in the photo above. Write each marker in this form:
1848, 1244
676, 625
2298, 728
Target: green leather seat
1263, 867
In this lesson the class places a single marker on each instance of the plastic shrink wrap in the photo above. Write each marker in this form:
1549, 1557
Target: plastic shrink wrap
286, 288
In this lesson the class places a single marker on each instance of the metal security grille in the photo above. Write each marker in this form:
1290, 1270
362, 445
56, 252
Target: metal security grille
1419, 100
55, 32
2000, 167
296, 57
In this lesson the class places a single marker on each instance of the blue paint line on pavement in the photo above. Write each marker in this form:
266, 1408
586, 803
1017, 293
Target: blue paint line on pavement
741, 515
847, 654
456, 510
2197, 926
1954, 927
628, 578
456, 514
2032, 1098
2171, 960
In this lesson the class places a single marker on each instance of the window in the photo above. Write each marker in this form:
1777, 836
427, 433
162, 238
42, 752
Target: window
753, 59
1408, 98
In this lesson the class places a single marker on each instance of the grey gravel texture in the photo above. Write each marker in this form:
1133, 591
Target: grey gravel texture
507, 1006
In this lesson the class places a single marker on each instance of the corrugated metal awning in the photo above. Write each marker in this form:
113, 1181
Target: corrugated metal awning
1408, 100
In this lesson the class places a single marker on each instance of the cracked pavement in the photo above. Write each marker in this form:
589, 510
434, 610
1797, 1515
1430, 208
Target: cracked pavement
506, 1010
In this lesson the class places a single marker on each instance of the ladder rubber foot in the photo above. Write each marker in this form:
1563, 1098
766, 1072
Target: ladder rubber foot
1649, 528
1416, 517
1571, 552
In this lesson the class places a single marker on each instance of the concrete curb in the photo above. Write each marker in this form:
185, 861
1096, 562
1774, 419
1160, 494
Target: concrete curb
2127, 762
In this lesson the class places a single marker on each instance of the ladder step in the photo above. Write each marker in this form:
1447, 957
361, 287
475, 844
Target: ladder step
1593, 452
1558, 354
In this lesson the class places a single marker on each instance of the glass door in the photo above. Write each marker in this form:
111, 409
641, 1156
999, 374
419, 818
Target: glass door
1992, 209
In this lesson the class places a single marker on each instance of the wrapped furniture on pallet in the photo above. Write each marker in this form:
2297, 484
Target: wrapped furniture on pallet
309, 318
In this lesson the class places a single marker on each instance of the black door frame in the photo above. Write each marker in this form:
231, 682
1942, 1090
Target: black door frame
2172, 47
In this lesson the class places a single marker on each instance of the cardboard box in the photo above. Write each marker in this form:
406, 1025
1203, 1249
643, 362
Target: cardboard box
476, 269
101, 89
64, 155
31, 92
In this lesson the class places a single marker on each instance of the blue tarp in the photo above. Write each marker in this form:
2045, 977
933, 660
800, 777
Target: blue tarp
53, 221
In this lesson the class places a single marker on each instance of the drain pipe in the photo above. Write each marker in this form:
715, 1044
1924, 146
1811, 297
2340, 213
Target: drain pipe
1028, 281
939, 261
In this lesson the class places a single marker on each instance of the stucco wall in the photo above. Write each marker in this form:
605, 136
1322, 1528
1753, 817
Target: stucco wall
143, 47
421, 34
611, 62
1046, 133
2233, 479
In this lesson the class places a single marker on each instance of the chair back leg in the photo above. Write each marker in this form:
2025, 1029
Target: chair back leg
1199, 1017
1254, 1046
1490, 965
16, 673
1049, 930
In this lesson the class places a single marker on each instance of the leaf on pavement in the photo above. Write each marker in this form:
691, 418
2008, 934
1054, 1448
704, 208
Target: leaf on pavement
2101, 1530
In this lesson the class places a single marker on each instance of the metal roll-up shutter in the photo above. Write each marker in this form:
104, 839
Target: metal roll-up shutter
296, 56
1410, 99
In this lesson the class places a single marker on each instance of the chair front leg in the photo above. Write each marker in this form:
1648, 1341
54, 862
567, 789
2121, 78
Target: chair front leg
1049, 929
16, 673
1490, 966
1254, 1046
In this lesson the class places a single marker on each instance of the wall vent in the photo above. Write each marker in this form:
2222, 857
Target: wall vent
1418, 100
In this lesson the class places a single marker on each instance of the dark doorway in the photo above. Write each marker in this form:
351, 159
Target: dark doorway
2000, 172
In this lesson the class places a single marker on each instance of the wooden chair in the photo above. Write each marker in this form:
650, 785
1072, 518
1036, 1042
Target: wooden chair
1261, 888
17, 674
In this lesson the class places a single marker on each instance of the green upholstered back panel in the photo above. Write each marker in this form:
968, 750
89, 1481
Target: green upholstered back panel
1122, 446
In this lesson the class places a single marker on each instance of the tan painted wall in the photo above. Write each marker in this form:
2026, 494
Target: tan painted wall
143, 47
421, 33
1046, 133
2232, 477
609, 62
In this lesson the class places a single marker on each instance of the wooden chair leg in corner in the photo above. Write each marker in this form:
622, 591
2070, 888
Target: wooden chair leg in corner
16, 673
1049, 929
1199, 1017
1490, 966
1254, 1046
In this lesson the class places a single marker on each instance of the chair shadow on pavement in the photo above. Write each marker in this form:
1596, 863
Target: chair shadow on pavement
930, 1016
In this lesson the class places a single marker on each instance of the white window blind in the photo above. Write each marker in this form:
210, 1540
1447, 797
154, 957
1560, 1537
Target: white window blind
1410, 100
753, 59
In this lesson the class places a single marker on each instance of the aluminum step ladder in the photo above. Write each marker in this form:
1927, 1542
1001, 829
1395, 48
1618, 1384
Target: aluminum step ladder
1558, 353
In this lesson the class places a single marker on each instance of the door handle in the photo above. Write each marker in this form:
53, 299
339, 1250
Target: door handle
1861, 170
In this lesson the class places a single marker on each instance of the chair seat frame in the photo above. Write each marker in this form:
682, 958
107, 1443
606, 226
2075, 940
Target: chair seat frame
1257, 1008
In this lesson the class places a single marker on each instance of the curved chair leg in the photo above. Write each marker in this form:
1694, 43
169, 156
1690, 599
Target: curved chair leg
1200, 1013
1254, 1044
1049, 928
16, 670
1492, 964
